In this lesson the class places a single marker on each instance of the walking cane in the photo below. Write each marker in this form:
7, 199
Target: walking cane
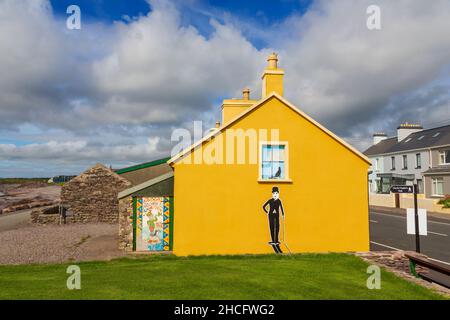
284, 235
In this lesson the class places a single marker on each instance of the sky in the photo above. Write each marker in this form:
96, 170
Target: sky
115, 90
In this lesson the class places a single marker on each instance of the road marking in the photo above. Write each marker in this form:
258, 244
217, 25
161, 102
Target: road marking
373, 221
397, 249
437, 233
383, 245
401, 217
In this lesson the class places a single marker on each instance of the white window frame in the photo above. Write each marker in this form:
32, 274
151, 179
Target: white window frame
405, 162
286, 161
434, 182
393, 166
442, 156
377, 164
418, 160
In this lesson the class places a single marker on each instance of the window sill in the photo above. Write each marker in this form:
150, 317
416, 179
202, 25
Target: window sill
274, 180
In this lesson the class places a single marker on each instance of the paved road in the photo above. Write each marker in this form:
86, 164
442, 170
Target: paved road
388, 232
14, 220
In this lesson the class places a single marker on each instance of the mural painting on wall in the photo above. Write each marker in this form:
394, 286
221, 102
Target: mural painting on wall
152, 224
274, 206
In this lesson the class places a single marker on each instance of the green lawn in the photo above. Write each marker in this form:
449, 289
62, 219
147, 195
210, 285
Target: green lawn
22, 180
308, 276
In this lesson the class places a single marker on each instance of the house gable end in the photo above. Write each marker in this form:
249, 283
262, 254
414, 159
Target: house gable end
254, 108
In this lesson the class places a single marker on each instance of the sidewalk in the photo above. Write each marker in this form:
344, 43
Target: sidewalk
437, 216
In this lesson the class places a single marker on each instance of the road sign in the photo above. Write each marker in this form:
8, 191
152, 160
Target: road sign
411, 223
402, 189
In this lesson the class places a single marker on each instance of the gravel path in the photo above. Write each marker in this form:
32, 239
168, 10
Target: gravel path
57, 244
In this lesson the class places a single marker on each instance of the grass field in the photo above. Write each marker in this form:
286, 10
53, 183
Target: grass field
327, 276
22, 180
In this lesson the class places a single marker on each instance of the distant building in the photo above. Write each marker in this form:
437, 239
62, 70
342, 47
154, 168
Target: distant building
60, 179
413, 156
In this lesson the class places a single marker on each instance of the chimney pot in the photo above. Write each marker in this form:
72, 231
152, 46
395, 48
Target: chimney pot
217, 124
246, 94
273, 61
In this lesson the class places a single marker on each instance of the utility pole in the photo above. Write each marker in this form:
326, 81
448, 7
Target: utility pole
416, 219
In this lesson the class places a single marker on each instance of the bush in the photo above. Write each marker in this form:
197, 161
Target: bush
445, 202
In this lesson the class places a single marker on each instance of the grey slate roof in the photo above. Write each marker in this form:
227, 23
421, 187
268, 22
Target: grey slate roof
419, 140
440, 169
381, 147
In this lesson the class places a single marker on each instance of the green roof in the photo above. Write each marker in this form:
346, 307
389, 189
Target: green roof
142, 166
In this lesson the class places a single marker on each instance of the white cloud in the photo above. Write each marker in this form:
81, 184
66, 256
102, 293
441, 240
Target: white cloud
345, 74
79, 151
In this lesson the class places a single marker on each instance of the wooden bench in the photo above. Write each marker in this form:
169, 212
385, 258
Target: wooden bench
438, 272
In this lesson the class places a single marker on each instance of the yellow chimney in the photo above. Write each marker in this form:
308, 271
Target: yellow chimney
272, 77
231, 108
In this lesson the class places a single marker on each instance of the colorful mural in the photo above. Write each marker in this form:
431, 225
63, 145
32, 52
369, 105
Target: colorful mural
152, 223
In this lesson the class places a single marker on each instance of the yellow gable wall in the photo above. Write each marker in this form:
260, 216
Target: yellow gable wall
218, 208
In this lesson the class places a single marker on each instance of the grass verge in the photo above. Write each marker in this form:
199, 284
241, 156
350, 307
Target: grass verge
306, 276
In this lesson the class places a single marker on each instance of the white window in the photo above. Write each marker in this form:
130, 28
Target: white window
377, 164
444, 157
273, 161
405, 162
438, 186
418, 161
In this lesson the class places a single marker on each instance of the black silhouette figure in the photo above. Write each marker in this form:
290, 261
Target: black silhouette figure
273, 214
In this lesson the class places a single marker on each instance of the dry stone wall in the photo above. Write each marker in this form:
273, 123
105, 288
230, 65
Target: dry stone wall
126, 223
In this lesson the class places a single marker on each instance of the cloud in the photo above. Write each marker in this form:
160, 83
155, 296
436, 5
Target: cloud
79, 151
114, 92
349, 76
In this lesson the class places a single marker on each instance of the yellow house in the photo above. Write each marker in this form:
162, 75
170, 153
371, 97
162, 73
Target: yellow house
221, 183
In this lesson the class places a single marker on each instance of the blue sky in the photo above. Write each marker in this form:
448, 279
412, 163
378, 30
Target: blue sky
109, 10
262, 14
114, 91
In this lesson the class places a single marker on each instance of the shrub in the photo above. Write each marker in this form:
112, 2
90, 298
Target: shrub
445, 202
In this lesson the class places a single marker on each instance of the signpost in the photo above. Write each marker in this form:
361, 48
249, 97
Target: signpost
411, 189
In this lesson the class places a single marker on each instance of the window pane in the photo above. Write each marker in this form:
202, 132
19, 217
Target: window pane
440, 187
278, 153
447, 157
266, 170
277, 170
266, 153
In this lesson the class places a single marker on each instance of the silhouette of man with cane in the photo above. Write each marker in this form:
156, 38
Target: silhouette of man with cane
273, 214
